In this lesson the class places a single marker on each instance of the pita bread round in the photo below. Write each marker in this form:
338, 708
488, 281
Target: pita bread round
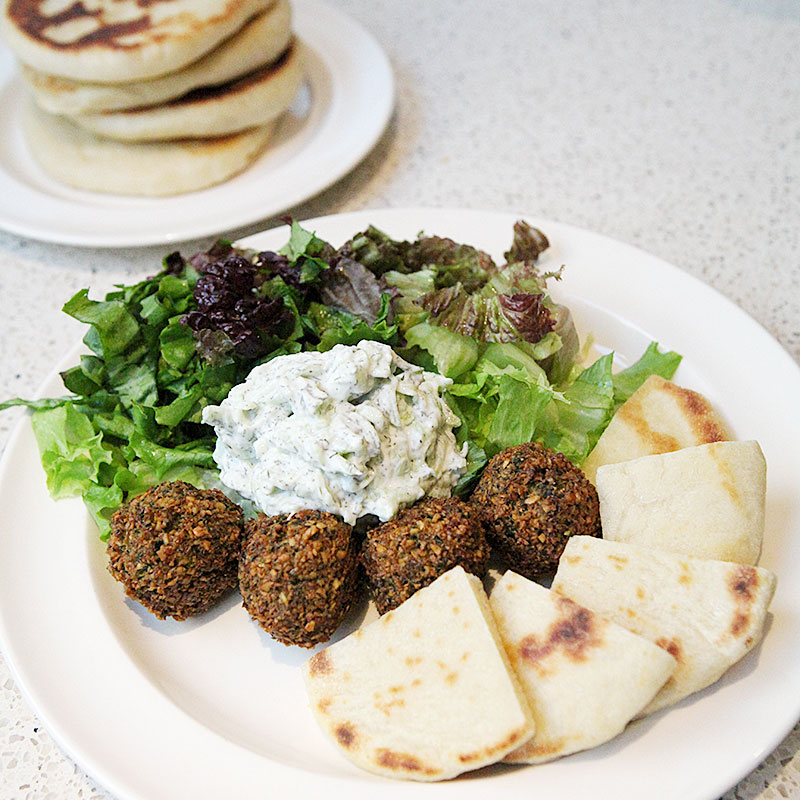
250, 101
260, 41
82, 160
112, 41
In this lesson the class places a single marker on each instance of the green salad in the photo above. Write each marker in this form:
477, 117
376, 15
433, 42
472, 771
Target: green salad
163, 349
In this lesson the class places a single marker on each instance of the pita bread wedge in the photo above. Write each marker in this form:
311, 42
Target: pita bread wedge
707, 614
247, 102
425, 692
585, 677
113, 41
82, 160
658, 417
260, 41
705, 501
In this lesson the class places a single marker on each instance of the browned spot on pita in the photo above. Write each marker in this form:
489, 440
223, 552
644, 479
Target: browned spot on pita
345, 735
672, 646
574, 632
740, 623
743, 584
545, 748
572, 559
320, 664
700, 414
413, 661
640, 592
402, 761
451, 677
28, 17
619, 561
488, 752
633, 413
324, 704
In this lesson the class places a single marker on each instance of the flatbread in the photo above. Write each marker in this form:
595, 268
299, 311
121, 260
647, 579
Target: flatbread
113, 41
82, 160
253, 100
706, 501
658, 417
426, 691
584, 676
260, 41
707, 614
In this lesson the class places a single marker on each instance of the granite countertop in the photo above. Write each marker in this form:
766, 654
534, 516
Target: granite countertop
671, 126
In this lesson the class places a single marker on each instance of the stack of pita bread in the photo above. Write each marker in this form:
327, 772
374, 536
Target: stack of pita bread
656, 610
155, 98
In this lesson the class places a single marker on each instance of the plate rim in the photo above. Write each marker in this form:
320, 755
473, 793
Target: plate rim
376, 216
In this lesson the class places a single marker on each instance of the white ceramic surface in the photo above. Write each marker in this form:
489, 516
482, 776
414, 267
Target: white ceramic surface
214, 708
339, 114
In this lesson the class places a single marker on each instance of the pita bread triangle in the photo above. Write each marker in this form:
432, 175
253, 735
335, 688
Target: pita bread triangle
706, 501
584, 676
426, 692
706, 613
658, 417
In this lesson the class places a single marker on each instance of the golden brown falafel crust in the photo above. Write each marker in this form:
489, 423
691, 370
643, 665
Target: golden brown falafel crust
175, 548
531, 500
298, 575
418, 545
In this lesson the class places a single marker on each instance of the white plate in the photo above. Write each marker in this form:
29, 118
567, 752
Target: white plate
338, 116
214, 708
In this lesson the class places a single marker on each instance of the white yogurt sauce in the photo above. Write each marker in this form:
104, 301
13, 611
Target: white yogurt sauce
353, 431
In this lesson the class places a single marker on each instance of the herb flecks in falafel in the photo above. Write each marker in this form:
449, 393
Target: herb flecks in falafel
175, 548
298, 574
531, 500
418, 545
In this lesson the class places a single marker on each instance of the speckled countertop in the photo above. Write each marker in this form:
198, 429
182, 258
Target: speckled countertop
671, 126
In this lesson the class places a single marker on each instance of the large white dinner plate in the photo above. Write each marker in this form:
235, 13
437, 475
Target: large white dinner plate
212, 707
336, 119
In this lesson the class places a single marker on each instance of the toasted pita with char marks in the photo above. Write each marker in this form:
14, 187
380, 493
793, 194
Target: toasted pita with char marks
82, 160
707, 614
118, 41
584, 676
425, 692
253, 100
706, 501
659, 417
260, 41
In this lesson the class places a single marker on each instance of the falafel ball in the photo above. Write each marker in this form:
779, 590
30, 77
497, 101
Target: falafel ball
531, 500
175, 548
418, 545
298, 574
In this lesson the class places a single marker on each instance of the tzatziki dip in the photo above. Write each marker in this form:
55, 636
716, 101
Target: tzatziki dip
354, 431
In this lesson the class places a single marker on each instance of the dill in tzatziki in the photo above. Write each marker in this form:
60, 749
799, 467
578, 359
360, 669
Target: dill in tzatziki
354, 431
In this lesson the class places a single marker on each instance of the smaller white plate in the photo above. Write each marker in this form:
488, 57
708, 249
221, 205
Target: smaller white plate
338, 116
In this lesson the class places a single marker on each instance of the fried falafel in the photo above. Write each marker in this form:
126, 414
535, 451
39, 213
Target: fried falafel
418, 545
531, 500
175, 548
298, 574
